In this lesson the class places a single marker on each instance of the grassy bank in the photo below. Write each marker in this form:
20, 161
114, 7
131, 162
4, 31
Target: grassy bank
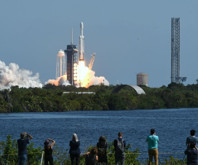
8, 155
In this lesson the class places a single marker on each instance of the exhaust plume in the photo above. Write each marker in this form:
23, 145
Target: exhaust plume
12, 75
59, 81
85, 78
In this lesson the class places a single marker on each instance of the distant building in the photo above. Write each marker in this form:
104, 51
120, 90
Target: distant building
142, 79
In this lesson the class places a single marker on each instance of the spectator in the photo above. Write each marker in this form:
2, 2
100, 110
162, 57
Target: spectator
74, 149
102, 150
119, 145
91, 157
153, 140
192, 154
192, 138
48, 145
22, 147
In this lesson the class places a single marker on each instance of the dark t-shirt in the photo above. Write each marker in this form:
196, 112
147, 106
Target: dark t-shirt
119, 145
22, 146
48, 151
102, 152
74, 147
191, 139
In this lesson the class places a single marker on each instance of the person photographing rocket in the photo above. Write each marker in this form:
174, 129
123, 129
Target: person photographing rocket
22, 147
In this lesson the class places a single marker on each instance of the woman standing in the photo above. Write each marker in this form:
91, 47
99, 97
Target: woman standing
102, 150
74, 149
48, 145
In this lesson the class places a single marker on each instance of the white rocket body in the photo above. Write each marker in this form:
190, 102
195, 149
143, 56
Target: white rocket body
81, 43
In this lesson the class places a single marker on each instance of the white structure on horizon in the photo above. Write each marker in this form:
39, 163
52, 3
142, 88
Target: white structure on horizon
142, 79
60, 64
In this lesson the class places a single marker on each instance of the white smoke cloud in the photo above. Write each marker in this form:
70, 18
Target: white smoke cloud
94, 80
59, 81
91, 80
12, 75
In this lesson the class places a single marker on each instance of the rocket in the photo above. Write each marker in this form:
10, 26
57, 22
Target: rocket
81, 43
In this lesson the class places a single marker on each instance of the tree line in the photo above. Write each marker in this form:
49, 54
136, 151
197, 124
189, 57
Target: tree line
119, 97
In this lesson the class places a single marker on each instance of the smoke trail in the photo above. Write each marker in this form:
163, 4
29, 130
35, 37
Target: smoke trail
12, 75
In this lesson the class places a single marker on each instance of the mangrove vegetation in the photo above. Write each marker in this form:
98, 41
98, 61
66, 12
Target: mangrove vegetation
120, 97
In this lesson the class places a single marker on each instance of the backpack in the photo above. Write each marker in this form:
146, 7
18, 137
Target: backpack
102, 154
120, 147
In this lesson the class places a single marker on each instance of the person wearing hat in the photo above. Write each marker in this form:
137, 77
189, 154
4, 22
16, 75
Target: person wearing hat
22, 147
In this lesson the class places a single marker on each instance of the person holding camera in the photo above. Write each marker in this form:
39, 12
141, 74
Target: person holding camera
22, 147
48, 145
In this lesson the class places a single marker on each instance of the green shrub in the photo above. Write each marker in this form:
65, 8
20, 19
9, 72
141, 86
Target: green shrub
8, 155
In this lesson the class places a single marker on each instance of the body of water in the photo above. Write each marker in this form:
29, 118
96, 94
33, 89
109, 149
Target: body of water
172, 126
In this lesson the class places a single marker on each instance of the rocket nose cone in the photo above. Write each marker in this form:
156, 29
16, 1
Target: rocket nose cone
81, 25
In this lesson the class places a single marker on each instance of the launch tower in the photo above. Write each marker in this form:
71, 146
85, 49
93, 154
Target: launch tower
71, 62
175, 50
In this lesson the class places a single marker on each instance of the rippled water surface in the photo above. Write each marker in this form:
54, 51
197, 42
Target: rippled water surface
172, 126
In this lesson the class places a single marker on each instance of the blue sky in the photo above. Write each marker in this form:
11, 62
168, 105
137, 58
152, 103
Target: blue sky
128, 36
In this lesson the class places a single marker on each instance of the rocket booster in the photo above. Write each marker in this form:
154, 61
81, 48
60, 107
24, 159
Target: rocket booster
81, 43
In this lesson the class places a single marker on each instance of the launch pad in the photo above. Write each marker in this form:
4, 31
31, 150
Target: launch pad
77, 74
